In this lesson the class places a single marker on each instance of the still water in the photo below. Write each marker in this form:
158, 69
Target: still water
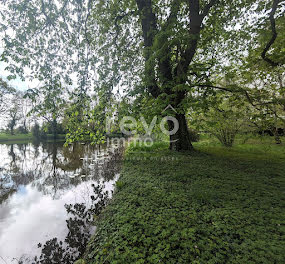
36, 181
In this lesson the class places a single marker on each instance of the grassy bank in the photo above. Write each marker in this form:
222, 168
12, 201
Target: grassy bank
217, 205
24, 138
15, 138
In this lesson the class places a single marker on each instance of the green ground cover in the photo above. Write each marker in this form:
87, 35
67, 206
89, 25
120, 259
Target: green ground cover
216, 205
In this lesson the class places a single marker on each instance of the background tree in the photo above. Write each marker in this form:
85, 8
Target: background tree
49, 103
5, 89
257, 79
86, 120
224, 118
13, 113
25, 108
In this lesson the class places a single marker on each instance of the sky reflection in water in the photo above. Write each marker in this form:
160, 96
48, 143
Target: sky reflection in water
36, 181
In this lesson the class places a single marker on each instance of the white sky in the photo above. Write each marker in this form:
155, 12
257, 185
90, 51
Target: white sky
17, 83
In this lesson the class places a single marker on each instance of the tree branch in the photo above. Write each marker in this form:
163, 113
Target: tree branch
149, 29
208, 7
86, 20
63, 7
173, 13
43, 9
274, 35
117, 19
196, 20
238, 90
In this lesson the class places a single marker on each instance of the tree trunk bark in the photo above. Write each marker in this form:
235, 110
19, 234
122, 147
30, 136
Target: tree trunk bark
54, 129
162, 81
276, 136
181, 139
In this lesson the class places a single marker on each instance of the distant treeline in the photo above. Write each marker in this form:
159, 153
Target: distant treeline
39, 132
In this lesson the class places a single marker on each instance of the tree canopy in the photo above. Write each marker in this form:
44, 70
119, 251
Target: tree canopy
177, 52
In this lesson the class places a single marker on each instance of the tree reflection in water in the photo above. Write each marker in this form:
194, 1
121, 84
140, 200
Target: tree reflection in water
79, 225
50, 166
51, 169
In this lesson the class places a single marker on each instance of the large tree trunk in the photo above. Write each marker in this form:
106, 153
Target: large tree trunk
181, 139
161, 80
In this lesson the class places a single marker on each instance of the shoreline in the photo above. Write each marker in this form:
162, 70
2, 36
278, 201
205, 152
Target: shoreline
25, 138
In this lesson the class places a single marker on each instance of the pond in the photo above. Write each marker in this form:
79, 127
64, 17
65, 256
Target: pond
37, 181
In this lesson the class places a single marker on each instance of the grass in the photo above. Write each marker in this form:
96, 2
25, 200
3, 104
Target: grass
15, 138
216, 205
253, 148
24, 138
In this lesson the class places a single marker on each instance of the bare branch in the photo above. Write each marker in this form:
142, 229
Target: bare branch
213, 87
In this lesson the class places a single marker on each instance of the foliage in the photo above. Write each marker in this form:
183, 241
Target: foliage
259, 92
87, 122
217, 208
167, 51
38, 133
5, 89
194, 135
224, 118
22, 130
80, 261
14, 114
48, 103
48, 128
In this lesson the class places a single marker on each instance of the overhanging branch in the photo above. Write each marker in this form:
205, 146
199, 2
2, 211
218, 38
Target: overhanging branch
196, 17
274, 35
86, 20
238, 90
208, 7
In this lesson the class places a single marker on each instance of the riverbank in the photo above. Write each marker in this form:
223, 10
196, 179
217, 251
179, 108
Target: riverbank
25, 138
214, 206
15, 138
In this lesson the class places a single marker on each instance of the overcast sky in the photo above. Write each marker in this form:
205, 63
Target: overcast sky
18, 84
15, 83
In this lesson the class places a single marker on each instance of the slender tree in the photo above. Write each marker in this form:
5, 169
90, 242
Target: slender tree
5, 89
13, 113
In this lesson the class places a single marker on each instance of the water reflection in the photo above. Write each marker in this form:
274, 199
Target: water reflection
37, 180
